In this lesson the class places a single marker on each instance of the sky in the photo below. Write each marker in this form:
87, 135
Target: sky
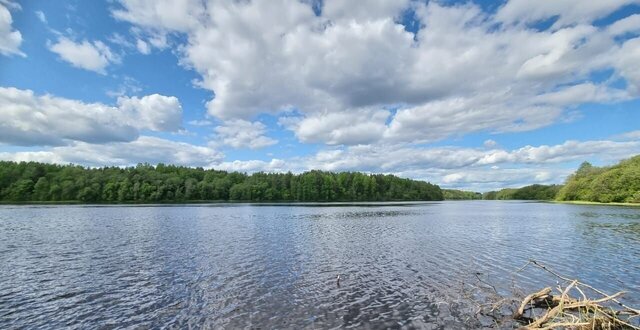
476, 95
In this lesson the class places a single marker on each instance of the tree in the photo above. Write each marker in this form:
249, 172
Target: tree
29, 181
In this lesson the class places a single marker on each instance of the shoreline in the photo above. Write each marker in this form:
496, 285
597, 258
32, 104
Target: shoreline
596, 203
216, 202
284, 203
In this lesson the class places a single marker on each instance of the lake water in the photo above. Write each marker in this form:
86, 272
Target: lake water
275, 266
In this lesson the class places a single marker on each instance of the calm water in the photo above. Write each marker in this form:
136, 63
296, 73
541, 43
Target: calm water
269, 266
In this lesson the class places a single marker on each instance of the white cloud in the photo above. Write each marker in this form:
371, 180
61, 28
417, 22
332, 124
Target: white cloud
360, 10
567, 11
489, 143
28, 119
92, 56
179, 15
633, 135
41, 16
495, 179
243, 134
10, 39
583, 93
568, 151
356, 127
252, 166
202, 122
457, 116
454, 167
145, 149
628, 65
629, 24
464, 71
143, 47
155, 112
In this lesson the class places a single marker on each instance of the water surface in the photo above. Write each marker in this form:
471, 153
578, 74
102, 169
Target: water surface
243, 265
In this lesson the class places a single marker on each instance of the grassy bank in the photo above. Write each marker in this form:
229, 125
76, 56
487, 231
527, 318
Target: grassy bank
597, 203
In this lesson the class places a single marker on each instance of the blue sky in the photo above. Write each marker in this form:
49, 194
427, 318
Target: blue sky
475, 95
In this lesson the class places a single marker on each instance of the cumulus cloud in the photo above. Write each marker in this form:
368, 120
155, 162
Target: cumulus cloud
356, 127
145, 149
243, 134
28, 119
465, 70
474, 168
583, 93
359, 10
628, 66
630, 24
92, 56
178, 15
457, 116
10, 39
252, 166
155, 112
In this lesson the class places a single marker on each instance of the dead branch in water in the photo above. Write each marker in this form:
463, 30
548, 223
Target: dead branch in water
545, 310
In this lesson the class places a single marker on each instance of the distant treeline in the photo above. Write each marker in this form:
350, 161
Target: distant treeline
454, 194
30, 181
532, 192
618, 183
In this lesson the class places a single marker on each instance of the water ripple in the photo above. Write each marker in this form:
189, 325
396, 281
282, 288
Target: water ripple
242, 266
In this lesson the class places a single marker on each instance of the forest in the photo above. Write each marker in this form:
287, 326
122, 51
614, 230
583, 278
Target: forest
618, 183
531, 192
144, 183
454, 194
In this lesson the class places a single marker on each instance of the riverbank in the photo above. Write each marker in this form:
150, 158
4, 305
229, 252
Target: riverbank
596, 203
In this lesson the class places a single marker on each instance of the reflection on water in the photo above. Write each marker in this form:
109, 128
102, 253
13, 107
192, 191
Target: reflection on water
239, 265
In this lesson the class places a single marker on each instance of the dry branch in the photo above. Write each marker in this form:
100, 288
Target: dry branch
545, 310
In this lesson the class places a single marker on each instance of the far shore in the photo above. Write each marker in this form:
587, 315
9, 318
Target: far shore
597, 203
196, 202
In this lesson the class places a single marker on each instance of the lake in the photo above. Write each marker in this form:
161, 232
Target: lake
275, 266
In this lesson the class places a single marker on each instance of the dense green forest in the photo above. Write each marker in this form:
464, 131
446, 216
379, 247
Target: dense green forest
532, 192
30, 181
454, 194
618, 183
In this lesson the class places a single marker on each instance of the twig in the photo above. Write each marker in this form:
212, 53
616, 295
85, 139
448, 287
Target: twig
585, 285
530, 298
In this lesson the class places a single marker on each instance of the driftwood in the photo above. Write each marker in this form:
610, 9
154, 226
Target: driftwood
568, 307
564, 311
540, 295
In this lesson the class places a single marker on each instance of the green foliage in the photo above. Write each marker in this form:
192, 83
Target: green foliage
532, 192
490, 195
619, 183
29, 181
454, 194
